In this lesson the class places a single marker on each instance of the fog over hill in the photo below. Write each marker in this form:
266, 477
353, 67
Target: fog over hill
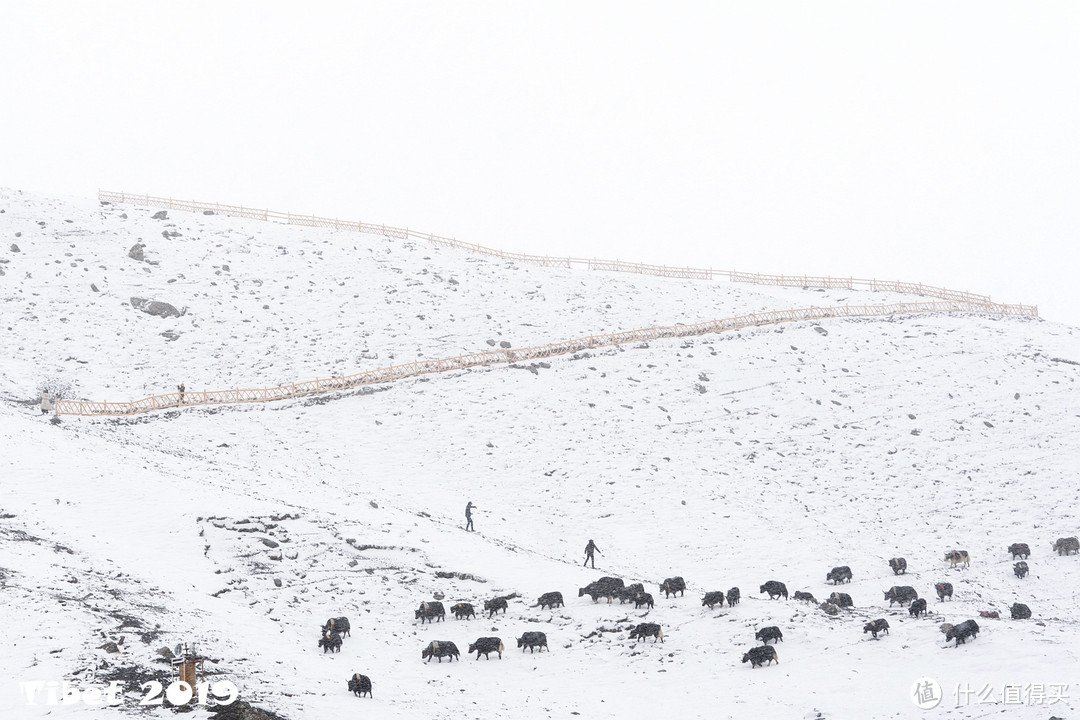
731, 459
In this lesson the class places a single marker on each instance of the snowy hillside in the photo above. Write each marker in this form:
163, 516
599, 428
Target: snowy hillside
729, 460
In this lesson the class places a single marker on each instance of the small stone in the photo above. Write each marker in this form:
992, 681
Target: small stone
160, 215
15, 248
136, 252
504, 344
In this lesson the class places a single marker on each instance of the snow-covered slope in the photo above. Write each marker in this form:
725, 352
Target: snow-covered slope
728, 460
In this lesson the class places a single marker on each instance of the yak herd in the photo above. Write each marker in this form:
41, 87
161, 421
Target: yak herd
906, 594
765, 654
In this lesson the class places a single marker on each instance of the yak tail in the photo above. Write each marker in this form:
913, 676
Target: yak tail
776, 657
501, 647
660, 634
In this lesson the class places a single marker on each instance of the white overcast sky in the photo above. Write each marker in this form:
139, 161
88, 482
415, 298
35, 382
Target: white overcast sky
936, 142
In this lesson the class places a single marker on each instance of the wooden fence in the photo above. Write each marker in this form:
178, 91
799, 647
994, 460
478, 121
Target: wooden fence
492, 357
686, 273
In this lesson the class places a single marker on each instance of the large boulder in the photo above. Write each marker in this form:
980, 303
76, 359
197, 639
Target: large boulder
160, 215
136, 252
242, 710
156, 308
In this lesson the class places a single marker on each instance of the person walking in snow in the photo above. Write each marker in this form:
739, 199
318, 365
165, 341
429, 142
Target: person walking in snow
589, 549
180, 388
468, 516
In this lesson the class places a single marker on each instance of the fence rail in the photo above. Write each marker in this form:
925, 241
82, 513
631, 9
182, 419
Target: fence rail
686, 273
951, 301
492, 357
